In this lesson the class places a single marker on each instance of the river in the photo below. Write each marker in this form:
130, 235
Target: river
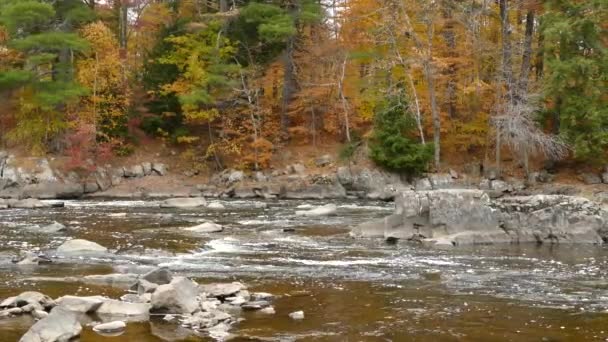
350, 289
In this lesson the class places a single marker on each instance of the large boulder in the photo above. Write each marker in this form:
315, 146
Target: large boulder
453, 217
53, 190
590, 178
33, 298
184, 202
59, 326
178, 297
135, 171
78, 247
80, 304
28, 203
159, 168
159, 276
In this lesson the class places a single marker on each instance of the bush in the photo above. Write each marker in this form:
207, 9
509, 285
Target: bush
392, 145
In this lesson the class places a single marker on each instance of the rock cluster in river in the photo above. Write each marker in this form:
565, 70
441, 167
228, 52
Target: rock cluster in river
208, 308
457, 216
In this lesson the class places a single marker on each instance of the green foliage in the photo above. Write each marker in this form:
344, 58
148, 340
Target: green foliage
13, 78
392, 146
25, 16
575, 81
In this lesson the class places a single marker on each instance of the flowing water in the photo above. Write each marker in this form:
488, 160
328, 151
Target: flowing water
349, 289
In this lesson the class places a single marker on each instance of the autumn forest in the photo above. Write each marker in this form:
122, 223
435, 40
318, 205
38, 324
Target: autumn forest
414, 84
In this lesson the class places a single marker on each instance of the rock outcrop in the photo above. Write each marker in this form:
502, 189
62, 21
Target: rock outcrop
460, 217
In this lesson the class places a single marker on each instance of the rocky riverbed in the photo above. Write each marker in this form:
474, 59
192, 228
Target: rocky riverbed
346, 288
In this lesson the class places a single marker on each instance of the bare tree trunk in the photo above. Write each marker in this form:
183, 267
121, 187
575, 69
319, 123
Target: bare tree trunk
343, 98
498, 148
417, 103
289, 86
313, 118
223, 5
507, 63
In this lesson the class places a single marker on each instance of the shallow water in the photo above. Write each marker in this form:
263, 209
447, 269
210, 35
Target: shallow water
349, 289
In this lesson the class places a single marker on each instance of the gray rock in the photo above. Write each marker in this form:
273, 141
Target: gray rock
455, 217
591, 178
184, 202
255, 305
159, 276
313, 191
91, 187
30, 258
135, 171
500, 186
235, 177
29, 203
110, 327
54, 190
147, 167
216, 206
79, 247
34, 298
605, 177
260, 177
491, 173
441, 181
111, 309
80, 304
268, 310
453, 174
324, 160
207, 227
297, 168
473, 169
159, 168
177, 297
143, 286
423, 184
221, 290
119, 280
58, 326
328, 209
52, 228
116, 176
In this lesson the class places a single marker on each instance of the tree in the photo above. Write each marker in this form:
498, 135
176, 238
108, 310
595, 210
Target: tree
576, 65
392, 146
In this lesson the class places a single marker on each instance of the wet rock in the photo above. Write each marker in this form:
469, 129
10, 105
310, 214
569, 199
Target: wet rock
159, 276
52, 228
243, 192
80, 304
268, 310
119, 280
110, 327
134, 298
184, 202
328, 209
112, 308
177, 297
31, 258
159, 168
323, 160
79, 247
207, 227
255, 305
54, 190
221, 290
220, 332
590, 178
36, 299
297, 315
216, 206
143, 286
29, 203
58, 326
262, 296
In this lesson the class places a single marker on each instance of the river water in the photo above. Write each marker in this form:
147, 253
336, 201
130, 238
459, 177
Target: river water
350, 289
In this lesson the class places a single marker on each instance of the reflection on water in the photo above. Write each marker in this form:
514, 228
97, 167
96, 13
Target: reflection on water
350, 290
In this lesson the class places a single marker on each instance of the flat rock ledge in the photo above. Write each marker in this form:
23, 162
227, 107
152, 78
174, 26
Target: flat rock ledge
465, 217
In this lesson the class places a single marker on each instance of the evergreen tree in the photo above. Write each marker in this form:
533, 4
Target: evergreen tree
393, 145
576, 72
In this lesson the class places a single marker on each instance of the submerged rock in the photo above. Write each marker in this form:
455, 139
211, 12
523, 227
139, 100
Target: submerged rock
207, 227
184, 202
110, 327
81, 247
297, 315
216, 205
325, 210
52, 228
58, 326
112, 308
